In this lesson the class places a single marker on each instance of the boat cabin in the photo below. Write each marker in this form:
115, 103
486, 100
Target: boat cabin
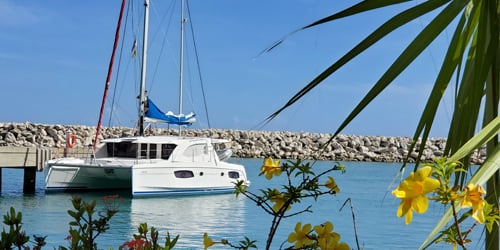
127, 149
163, 147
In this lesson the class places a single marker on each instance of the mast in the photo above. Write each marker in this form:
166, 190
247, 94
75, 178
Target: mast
142, 96
108, 77
181, 67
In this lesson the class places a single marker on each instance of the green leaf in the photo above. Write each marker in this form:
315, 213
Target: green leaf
486, 134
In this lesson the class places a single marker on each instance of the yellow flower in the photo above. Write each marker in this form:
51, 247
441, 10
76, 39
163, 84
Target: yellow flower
412, 192
332, 185
301, 235
278, 199
329, 244
324, 230
474, 198
207, 242
270, 168
327, 239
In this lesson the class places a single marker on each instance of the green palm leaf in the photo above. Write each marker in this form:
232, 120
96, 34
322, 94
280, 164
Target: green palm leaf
389, 26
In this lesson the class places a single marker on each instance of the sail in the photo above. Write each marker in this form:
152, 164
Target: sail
155, 115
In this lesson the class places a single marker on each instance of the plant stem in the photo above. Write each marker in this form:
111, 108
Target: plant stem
457, 225
353, 220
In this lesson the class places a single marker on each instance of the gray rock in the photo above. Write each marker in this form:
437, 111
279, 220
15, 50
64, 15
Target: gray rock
245, 144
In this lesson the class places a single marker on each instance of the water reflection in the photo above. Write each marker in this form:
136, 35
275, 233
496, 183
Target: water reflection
221, 216
191, 216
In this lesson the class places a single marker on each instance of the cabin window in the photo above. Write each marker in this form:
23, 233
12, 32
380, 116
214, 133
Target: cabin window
144, 151
197, 153
166, 150
234, 175
122, 149
184, 174
152, 151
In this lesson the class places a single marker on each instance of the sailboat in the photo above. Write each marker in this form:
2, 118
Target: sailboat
149, 165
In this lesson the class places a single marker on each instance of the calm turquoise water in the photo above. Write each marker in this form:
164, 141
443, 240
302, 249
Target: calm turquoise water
224, 216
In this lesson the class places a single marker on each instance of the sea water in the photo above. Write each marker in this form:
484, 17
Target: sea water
368, 218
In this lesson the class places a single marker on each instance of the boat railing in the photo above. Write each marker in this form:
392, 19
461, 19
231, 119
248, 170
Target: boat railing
77, 152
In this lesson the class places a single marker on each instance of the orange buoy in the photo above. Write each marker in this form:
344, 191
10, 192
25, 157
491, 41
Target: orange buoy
71, 140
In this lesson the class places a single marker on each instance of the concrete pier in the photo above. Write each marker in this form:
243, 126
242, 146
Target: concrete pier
29, 159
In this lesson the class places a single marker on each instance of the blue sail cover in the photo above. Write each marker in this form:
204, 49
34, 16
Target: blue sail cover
154, 114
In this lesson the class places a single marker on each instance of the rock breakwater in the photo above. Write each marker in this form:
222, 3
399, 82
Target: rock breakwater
245, 143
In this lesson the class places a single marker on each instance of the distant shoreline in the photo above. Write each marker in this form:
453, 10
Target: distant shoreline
244, 143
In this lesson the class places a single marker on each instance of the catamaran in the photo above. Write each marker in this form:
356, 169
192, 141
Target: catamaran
149, 165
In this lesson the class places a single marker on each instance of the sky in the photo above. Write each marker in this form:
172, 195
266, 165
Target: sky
54, 58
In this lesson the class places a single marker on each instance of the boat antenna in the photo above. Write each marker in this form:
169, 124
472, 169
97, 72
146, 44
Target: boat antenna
108, 77
142, 96
181, 67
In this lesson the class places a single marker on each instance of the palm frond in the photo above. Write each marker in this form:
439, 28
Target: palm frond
392, 24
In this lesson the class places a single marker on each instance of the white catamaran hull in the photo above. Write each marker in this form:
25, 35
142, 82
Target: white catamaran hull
144, 177
185, 178
72, 174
